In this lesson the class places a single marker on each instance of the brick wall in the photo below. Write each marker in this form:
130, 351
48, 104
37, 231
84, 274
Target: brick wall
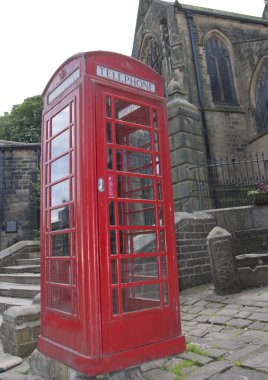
18, 171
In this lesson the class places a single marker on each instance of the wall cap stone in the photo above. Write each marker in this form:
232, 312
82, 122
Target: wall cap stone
218, 232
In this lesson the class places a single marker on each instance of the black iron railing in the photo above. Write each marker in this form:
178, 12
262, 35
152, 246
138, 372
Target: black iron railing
226, 182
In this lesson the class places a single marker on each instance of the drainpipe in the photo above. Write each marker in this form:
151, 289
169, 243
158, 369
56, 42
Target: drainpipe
189, 16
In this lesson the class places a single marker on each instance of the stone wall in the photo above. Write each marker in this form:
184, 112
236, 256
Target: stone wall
248, 226
18, 170
192, 252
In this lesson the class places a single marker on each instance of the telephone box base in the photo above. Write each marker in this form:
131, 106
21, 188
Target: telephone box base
107, 363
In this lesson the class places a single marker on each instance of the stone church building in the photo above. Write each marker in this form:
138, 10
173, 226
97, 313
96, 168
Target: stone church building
215, 66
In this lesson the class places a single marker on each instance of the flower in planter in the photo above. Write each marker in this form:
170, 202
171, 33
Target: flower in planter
261, 189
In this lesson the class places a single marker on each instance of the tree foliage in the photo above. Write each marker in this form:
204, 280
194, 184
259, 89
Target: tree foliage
23, 123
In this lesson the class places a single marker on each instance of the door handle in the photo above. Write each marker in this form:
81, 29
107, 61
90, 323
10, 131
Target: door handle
101, 185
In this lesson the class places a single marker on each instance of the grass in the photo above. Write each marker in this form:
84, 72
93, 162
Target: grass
177, 369
194, 348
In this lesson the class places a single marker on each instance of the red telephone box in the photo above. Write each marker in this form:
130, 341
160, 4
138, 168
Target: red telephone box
109, 271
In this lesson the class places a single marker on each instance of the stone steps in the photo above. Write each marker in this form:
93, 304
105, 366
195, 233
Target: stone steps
21, 269
9, 289
21, 278
29, 255
33, 261
6, 302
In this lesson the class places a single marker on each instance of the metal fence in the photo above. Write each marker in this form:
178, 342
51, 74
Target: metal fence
226, 182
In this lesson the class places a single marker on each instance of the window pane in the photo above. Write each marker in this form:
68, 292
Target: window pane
135, 187
140, 269
60, 121
60, 271
115, 301
114, 272
108, 107
132, 112
109, 132
60, 245
137, 241
61, 299
113, 242
141, 298
129, 136
60, 168
136, 214
138, 162
60, 193
60, 144
60, 218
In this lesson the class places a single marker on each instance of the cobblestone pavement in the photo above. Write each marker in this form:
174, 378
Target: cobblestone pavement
227, 339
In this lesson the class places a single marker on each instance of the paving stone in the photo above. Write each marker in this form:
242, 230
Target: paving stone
259, 317
199, 331
231, 331
190, 323
262, 304
240, 374
208, 312
170, 364
215, 298
195, 310
209, 370
191, 301
238, 322
216, 328
231, 301
258, 326
215, 353
202, 318
214, 305
201, 303
245, 352
246, 302
188, 317
253, 336
227, 312
258, 362
219, 319
148, 366
9, 361
242, 314
200, 359
158, 374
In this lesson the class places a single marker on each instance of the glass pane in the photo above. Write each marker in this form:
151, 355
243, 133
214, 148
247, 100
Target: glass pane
60, 271
135, 187
109, 132
60, 168
60, 193
165, 293
158, 167
163, 241
60, 121
110, 159
60, 219
114, 272
136, 214
60, 245
137, 241
159, 190
164, 266
60, 144
108, 107
138, 162
160, 215
155, 121
73, 273
140, 269
115, 301
132, 112
74, 302
141, 298
61, 299
111, 214
156, 142
129, 136
113, 242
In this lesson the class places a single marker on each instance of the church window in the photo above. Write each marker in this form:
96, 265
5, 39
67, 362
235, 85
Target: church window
220, 71
261, 97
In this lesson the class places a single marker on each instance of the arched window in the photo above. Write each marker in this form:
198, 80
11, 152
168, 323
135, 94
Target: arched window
261, 98
220, 71
152, 55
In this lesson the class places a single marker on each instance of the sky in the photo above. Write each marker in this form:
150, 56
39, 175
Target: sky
37, 36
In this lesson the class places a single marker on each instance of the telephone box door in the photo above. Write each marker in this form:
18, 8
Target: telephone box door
136, 229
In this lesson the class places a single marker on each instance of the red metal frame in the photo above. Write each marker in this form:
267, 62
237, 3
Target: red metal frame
109, 273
